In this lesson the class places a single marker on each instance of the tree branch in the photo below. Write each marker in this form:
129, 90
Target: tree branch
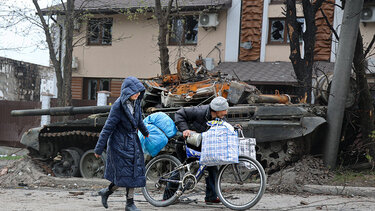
333, 3
317, 5
369, 46
329, 24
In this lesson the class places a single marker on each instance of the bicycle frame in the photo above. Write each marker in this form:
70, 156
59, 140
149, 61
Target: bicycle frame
190, 153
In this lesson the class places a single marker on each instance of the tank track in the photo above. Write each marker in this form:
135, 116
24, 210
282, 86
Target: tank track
272, 155
50, 143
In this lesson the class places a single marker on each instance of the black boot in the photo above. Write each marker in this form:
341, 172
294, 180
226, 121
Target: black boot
104, 193
130, 206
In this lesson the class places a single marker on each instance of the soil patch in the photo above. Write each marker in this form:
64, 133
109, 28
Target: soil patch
308, 170
311, 171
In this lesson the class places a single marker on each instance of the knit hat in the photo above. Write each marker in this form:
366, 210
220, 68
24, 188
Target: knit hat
219, 104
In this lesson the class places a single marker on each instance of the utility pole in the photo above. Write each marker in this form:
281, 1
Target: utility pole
341, 77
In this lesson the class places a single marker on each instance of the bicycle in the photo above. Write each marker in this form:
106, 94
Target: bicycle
239, 186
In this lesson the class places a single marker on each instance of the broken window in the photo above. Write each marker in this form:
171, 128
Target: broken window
95, 85
278, 33
99, 31
184, 30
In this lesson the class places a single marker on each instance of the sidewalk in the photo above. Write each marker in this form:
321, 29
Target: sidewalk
340, 190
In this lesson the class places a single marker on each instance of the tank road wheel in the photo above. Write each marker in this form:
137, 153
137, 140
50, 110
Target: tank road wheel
277, 154
90, 166
68, 166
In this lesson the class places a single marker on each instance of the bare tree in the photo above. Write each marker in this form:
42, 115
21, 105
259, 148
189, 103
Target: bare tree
365, 101
63, 72
163, 15
302, 66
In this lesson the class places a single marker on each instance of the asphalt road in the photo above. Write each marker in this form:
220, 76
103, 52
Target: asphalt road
62, 199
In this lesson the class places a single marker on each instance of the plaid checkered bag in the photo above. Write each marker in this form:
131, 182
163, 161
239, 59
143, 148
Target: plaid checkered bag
219, 145
247, 145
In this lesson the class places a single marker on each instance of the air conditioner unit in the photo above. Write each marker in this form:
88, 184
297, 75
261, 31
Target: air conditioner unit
208, 20
368, 14
75, 63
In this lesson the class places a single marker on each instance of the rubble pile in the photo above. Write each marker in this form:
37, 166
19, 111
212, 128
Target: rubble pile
27, 173
308, 170
21, 172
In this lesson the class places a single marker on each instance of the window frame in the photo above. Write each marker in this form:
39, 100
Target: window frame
286, 36
101, 22
183, 41
283, 1
99, 86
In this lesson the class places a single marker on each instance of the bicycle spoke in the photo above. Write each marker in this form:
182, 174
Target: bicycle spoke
162, 180
240, 186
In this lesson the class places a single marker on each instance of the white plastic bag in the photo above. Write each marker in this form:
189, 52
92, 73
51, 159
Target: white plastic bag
219, 145
247, 145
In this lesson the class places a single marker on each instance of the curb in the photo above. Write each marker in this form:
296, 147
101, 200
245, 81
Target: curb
11, 150
340, 190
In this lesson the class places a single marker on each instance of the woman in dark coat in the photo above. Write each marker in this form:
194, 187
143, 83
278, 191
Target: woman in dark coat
125, 163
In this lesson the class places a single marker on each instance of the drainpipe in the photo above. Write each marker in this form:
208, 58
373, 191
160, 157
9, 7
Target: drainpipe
232, 35
264, 31
337, 20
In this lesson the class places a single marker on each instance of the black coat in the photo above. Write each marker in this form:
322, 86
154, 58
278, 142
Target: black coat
193, 118
125, 165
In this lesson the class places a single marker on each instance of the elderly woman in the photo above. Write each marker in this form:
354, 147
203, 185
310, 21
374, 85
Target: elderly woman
125, 163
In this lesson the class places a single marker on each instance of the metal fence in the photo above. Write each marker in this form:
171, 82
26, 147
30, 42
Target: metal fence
12, 128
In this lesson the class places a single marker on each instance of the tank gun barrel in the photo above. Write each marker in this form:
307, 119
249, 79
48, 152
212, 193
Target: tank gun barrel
62, 111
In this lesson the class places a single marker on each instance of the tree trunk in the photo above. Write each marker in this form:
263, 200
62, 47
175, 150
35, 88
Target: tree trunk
52, 54
365, 100
302, 66
69, 27
164, 52
163, 21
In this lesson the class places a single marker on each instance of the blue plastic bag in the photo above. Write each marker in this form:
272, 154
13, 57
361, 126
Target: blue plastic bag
163, 122
160, 127
154, 142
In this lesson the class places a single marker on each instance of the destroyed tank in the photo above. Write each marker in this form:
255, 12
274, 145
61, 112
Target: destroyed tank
283, 131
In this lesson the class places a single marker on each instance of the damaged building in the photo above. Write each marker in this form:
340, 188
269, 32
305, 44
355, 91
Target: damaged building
22, 81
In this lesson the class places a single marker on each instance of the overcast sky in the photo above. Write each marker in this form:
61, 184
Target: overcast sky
17, 44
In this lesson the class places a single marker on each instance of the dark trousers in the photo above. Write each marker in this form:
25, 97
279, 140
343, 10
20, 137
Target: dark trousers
210, 183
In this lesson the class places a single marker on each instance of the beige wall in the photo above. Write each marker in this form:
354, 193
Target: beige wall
279, 52
277, 10
136, 54
368, 31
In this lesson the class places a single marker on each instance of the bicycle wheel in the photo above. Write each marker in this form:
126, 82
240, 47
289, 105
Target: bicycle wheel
162, 180
241, 185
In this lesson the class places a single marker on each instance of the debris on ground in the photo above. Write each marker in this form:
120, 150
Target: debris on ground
3, 171
27, 173
21, 172
309, 170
